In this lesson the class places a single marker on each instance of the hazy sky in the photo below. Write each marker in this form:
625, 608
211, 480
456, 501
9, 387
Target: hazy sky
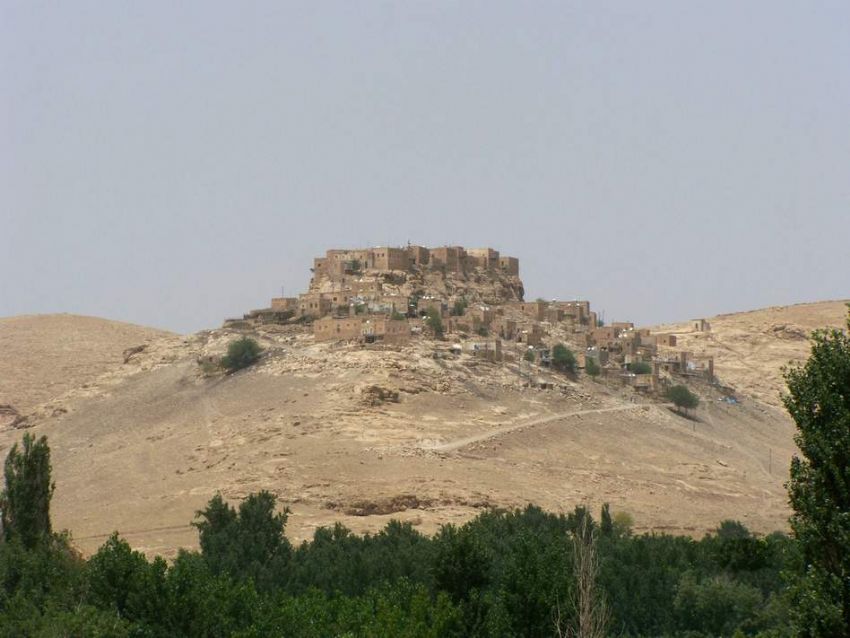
172, 164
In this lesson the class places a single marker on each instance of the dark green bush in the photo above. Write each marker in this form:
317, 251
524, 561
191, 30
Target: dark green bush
681, 397
563, 359
241, 354
640, 367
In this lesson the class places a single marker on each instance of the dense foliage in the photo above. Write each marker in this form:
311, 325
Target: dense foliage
25, 500
506, 573
819, 402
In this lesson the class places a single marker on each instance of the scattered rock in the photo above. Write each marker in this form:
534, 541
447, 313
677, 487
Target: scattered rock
383, 506
11, 418
373, 395
129, 353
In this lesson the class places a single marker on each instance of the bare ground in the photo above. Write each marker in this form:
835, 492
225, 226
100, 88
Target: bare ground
147, 443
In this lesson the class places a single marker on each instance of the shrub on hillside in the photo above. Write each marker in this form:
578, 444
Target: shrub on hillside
459, 307
241, 354
640, 367
682, 397
435, 322
591, 367
563, 359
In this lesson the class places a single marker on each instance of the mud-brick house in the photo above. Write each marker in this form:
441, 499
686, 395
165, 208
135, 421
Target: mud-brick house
386, 329
338, 329
483, 315
313, 304
666, 340
285, 304
534, 309
701, 325
578, 310
504, 328
553, 314
531, 335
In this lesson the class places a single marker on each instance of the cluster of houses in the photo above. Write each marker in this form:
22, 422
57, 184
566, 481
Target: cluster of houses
348, 301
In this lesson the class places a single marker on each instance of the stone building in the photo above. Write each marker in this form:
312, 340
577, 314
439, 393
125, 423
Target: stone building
386, 329
534, 309
701, 325
666, 340
285, 304
313, 304
509, 266
485, 258
338, 328
451, 258
386, 258
366, 328
419, 255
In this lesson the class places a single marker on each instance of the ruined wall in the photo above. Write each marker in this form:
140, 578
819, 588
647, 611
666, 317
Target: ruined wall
452, 258
509, 265
486, 258
419, 255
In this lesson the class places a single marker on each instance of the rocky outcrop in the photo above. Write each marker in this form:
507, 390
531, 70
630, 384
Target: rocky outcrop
11, 418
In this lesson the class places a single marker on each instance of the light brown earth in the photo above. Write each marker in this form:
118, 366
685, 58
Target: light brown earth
147, 443
750, 348
44, 356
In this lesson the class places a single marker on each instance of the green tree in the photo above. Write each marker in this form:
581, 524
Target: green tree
25, 500
435, 322
241, 354
248, 543
123, 581
681, 397
529, 356
563, 359
606, 523
818, 400
591, 368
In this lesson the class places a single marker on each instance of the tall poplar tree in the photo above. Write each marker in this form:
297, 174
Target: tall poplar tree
818, 400
25, 501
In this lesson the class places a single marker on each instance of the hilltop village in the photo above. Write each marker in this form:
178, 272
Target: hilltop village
473, 298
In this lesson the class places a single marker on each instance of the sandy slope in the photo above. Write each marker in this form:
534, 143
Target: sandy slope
45, 356
148, 443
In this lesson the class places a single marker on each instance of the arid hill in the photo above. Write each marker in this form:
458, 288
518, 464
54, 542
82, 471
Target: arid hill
45, 356
750, 348
361, 434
